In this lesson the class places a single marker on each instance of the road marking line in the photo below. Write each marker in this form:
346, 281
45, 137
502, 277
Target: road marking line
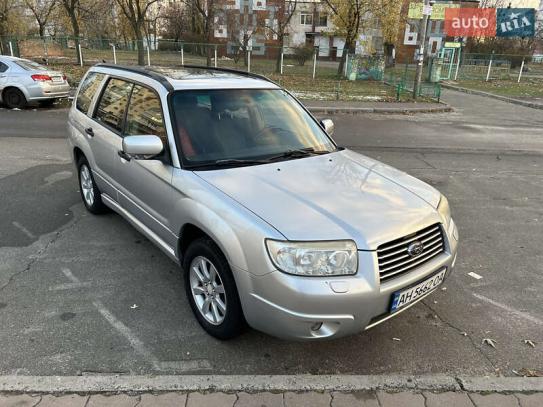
509, 309
70, 276
70, 286
136, 343
25, 231
474, 275
125, 331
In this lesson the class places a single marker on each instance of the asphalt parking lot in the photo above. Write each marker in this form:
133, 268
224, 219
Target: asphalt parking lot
81, 294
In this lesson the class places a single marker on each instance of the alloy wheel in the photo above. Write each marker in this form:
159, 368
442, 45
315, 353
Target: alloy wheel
87, 186
207, 290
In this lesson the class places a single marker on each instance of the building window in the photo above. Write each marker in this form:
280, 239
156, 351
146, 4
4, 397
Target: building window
323, 20
306, 19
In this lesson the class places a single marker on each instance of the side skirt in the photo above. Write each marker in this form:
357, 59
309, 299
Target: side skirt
170, 251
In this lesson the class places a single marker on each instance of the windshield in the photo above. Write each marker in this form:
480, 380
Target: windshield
215, 126
30, 65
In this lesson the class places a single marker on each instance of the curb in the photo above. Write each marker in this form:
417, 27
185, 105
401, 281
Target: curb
259, 383
493, 96
382, 110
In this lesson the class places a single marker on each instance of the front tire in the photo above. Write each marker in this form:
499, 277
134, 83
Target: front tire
90, 194
14, 98
211, 290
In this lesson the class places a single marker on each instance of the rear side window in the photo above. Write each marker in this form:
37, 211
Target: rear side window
112, 105
144, 115
87, 90
3, 67
30, 65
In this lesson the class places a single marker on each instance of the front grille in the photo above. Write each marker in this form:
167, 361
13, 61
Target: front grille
394, 258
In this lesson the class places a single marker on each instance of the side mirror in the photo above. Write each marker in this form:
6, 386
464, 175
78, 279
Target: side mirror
328, 126
142, 146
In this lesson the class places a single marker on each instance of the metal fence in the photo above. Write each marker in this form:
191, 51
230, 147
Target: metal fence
311, 71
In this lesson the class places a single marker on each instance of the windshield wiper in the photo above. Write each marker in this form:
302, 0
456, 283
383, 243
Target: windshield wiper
301, 153
227, 162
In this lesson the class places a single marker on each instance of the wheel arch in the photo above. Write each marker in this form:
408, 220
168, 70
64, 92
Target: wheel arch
223, 237
12, 86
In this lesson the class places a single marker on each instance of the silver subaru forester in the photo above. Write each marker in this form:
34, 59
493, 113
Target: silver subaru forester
274, 225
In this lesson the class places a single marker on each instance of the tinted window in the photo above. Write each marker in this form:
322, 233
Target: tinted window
88, 89
112, 106
144, 115
3, 67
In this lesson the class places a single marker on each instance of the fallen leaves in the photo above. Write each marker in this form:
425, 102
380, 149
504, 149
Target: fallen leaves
528, 372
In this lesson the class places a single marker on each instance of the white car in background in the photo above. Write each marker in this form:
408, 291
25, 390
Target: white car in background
23, 81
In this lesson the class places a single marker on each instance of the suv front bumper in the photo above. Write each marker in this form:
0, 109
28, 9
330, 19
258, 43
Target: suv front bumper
312, 308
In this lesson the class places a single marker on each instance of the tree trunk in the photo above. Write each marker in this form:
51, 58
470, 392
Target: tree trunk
75, 28
348, 48
139, 40
41, 29
278, 59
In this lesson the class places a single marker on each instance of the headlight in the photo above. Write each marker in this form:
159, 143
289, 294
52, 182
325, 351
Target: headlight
337, 258
444, 210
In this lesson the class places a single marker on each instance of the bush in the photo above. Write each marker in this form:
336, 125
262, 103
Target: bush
302, 53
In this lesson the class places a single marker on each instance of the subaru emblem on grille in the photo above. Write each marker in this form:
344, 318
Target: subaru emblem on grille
415, 248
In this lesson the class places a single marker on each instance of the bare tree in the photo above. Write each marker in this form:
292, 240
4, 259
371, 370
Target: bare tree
73, 9
279, 27
206, 11
41, 10
136, 12
241, 30
352, 17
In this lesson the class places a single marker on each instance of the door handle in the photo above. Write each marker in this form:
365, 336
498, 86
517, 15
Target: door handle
124, 155
89, 131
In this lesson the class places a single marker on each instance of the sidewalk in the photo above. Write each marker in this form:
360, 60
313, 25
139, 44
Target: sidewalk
534, 103
288, 399
270, 391
354, 107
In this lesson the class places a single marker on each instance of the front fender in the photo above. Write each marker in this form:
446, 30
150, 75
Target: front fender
238, 232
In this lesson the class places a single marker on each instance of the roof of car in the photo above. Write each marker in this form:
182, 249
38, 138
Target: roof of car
199, 77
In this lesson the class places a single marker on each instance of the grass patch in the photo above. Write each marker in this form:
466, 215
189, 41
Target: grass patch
527, 88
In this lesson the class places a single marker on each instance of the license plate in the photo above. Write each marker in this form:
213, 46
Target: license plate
402, 298
57, 78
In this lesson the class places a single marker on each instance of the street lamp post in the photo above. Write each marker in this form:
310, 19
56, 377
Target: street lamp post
426, 11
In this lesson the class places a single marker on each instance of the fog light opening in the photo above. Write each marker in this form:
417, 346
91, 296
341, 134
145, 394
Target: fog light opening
316, 326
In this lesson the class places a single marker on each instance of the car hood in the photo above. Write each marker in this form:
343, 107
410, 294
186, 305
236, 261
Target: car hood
343, 195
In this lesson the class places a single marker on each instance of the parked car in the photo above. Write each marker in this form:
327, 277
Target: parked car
23, 81
273, 224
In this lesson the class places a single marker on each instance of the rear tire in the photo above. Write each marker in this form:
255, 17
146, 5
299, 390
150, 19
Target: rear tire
14, 98
90, 194
211, 290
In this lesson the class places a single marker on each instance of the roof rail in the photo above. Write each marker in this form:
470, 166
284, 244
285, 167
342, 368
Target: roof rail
142, 71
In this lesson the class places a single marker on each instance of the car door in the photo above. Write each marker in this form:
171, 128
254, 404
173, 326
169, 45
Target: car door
83, 125
145, 184
105, 133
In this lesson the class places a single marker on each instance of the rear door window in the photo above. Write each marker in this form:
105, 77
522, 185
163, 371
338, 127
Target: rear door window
3, 67
112, 106
144, 115
88, 88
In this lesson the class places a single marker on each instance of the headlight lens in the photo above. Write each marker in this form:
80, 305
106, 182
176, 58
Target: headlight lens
319, 259
444, 210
